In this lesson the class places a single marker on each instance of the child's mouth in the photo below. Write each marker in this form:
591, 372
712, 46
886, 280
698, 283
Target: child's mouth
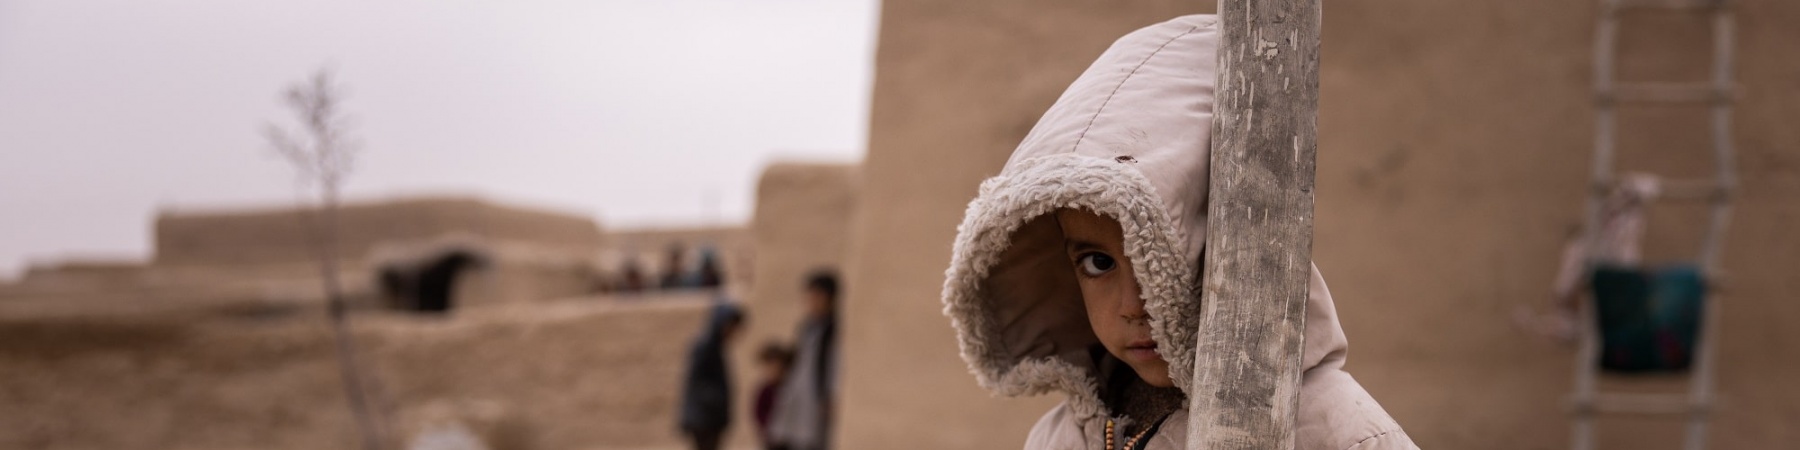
1142, 349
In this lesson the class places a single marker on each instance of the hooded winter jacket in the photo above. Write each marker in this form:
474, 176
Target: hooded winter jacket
1129, 139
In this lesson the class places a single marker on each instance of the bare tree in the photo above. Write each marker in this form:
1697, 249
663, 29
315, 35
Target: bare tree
322, 153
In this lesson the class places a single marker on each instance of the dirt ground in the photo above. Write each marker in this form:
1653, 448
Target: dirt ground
574, 374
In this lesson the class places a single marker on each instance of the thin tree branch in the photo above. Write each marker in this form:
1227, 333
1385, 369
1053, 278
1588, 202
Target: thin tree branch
325, 159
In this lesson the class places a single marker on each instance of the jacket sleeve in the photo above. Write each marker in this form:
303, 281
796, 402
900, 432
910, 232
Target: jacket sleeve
1336, 413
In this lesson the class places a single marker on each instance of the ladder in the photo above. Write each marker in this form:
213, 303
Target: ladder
1716, 94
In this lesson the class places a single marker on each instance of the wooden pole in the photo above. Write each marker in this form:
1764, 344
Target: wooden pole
1258, 257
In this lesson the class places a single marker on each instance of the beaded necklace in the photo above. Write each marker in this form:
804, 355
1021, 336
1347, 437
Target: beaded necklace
1130, 444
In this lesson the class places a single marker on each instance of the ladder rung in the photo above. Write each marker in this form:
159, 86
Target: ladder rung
1688, 190
1668, 4
1694, 190
1642, 404
1663, 93
1646, 404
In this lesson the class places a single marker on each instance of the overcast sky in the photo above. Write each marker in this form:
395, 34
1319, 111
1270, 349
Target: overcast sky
634, 111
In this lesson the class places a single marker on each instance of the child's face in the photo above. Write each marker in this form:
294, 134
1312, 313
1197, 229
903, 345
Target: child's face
817, 303
772, 370
1115, 306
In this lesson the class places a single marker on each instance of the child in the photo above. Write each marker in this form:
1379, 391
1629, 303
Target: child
1076, 268
773, 360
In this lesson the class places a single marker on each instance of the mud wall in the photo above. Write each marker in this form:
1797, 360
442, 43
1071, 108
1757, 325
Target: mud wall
276, 235
262, 255
1454, 142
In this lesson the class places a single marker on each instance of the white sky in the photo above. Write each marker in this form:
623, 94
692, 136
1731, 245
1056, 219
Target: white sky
635, 111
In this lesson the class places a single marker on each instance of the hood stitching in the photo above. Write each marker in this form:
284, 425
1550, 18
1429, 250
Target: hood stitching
1121, 85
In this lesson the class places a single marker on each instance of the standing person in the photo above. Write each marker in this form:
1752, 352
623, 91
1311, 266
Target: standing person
675, 275
633, 278
706, 393
709, 275
802, 416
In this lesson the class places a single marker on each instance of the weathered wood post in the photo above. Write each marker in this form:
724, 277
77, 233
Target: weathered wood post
1259, 235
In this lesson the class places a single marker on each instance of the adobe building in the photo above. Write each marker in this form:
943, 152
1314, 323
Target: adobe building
1454, 143
264, 256
276, 236
233, 349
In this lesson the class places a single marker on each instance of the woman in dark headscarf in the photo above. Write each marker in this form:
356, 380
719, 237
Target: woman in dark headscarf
706, 393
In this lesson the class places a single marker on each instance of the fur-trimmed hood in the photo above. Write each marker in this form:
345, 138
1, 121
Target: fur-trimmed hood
1129, 139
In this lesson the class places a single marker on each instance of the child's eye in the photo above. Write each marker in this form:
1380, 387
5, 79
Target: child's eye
1095, 264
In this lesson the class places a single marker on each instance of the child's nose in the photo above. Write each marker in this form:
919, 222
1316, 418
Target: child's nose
1132, 307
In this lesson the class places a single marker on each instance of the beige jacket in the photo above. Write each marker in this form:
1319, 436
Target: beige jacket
1128, 140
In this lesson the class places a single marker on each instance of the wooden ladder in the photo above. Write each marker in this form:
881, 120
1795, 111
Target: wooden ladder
1716, 94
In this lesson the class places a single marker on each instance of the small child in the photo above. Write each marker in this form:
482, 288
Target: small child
1076, 268
773, 361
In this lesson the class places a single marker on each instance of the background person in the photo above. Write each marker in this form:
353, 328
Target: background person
802, 416
706, 392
